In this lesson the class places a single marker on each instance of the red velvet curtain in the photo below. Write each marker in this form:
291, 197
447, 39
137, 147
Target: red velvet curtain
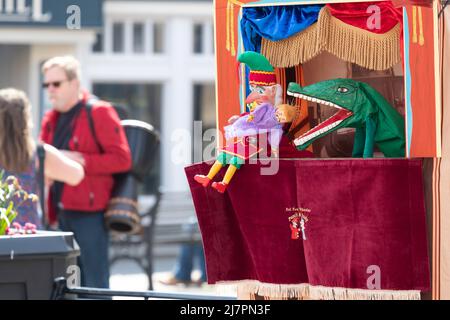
362, 214
357, 14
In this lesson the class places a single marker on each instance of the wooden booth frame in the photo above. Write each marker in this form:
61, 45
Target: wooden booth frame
425, 52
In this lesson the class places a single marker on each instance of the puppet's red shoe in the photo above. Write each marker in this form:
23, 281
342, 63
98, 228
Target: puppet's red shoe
203, 180
219, 186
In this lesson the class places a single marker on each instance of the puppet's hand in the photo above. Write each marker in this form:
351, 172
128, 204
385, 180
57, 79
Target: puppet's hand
285, 113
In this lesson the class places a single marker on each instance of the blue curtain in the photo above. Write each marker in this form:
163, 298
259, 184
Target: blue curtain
275, 23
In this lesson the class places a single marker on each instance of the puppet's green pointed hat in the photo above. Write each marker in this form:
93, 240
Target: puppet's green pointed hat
261, 71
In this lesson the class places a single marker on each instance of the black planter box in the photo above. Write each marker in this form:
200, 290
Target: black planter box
30, 263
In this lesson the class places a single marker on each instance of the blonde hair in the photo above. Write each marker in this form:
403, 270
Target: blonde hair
69, 64
16, 143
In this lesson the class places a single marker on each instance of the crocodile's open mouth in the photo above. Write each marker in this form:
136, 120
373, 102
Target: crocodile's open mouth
325, 126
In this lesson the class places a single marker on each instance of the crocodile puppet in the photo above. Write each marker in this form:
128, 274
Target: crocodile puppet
359, 106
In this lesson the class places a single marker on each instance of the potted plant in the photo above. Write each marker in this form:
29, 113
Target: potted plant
11, 190
30, 259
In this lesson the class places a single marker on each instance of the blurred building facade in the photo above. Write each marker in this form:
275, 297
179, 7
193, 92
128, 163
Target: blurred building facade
156, 58
31, 31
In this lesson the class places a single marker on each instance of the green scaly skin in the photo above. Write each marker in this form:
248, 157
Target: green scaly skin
359, 106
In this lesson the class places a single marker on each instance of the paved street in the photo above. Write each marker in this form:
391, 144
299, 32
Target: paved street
175, 209
126, 275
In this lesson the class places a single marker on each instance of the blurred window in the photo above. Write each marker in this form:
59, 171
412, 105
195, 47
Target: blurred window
138, 38
198, 38
118, 37
158, 37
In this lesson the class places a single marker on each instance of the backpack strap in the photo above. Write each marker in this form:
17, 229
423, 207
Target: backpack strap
89, 105
41, 181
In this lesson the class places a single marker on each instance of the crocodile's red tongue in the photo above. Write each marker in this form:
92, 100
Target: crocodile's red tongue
339, 116
324, 126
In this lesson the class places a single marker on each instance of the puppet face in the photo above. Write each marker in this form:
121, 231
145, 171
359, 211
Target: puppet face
262, 94
285, 113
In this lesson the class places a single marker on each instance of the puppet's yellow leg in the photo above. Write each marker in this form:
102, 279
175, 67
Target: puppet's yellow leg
235, 162
229, 174
214, 169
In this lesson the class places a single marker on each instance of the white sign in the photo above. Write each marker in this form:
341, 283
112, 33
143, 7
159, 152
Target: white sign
18, 11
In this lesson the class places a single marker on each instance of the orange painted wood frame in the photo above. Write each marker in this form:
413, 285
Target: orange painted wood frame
422, 92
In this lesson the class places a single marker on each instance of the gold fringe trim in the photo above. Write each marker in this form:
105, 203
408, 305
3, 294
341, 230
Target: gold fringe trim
294, 50
230, 39
414, 23
227, 41
421, 37
309, 292
367, 49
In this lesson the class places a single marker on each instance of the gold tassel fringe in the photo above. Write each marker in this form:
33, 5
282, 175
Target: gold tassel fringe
309, 292
367, 49
294, 50
230, 40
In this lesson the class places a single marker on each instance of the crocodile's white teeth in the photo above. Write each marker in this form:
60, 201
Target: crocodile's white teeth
312, 99
305, 138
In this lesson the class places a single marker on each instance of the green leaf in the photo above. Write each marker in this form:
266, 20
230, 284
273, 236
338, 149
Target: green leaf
3, 221
12, 216
8, 190
10, 212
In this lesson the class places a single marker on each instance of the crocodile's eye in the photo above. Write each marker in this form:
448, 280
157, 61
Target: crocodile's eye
342, 90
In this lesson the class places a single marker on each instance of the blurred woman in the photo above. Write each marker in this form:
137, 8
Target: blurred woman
18, 155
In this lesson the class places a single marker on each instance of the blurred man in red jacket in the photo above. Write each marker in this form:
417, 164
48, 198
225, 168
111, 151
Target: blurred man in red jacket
80, 208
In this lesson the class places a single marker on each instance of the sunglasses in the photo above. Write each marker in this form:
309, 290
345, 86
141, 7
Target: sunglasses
55, 84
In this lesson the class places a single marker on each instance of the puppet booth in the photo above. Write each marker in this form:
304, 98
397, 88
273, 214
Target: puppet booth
329, 182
